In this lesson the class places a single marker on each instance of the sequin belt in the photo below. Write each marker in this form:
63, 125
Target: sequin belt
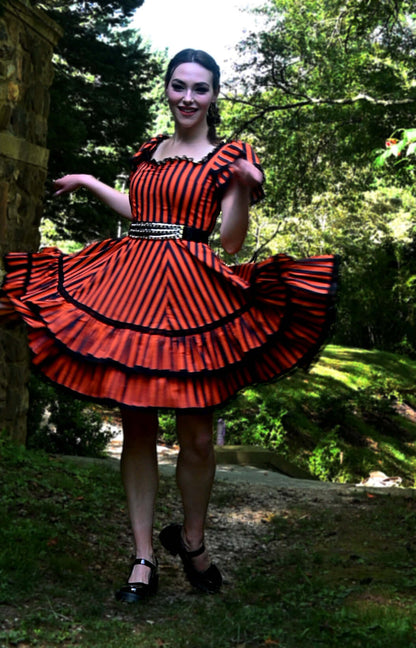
159, 231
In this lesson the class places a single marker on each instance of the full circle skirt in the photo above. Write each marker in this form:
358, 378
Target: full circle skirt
147, 323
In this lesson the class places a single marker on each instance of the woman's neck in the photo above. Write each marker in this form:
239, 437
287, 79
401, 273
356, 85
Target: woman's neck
189, 136
192, 145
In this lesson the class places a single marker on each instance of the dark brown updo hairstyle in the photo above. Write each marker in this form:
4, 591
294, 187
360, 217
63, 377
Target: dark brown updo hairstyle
204, 59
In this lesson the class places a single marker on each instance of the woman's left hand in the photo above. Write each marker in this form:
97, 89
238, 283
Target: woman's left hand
246, 174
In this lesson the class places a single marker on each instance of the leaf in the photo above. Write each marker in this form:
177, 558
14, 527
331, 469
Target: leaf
381, 159
411, 148
409, 134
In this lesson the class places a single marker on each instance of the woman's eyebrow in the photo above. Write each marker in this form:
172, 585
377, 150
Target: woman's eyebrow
197, 83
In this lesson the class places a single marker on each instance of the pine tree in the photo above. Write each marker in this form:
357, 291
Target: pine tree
99, 111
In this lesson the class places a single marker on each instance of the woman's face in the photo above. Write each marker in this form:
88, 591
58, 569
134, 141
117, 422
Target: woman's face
190, 93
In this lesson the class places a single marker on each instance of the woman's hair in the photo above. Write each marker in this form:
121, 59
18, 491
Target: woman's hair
204, 59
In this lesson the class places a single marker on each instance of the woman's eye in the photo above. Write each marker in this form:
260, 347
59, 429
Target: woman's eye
179, 87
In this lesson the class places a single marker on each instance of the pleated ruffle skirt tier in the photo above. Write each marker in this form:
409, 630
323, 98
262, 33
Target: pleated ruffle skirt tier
164, 323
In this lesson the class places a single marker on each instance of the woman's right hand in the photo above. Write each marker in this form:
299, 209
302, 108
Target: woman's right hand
69, 183
113, 198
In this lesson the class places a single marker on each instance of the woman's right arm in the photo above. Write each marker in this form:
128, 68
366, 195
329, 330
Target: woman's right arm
114, 199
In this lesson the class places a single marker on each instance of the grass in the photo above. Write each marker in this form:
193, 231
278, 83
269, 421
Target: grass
302, 570
317, 572
354, 412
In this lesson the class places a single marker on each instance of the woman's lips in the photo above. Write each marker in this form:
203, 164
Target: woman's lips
187, 111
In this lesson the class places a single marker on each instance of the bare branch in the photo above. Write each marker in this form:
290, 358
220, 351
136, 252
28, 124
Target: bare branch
312, 101
265, 244
262, 110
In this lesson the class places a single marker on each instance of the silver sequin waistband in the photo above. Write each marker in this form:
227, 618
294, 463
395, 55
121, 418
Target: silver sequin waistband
143, 230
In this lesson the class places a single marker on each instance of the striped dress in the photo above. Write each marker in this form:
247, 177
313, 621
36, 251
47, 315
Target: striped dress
164, 322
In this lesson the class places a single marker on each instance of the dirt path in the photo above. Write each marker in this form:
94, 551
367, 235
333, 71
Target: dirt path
232, 471
244, 501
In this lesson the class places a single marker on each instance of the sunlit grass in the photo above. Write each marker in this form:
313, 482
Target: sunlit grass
351, 395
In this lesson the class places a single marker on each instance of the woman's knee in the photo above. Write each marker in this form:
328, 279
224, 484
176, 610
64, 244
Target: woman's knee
140, 427
195, 435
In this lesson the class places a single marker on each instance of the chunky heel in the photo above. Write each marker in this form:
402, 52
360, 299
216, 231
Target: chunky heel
135, 592
208, 581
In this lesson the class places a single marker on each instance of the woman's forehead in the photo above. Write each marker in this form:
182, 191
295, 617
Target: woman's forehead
192, 72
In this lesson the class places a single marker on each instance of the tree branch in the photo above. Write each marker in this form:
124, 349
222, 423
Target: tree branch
312, 101
264, 245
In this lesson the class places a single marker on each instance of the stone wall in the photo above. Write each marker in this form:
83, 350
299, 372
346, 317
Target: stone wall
27, 39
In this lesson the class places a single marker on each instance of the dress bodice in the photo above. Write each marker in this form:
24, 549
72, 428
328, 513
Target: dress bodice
146, 322
181, 190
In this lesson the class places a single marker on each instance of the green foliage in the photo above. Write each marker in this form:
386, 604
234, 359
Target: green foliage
404, 147
343, 419
167, 425
400, 149
320, 86
99, 107
51, 238
316, 90
62, 424
324, 461
377, 304
255, 417
318, 570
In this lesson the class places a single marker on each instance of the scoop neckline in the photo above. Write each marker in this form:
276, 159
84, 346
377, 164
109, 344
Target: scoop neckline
183, 158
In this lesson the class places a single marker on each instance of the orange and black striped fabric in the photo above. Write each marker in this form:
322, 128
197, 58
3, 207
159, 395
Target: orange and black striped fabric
164, 323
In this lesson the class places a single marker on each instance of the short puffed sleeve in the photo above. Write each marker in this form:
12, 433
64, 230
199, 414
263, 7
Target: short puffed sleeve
222, 167
145, 152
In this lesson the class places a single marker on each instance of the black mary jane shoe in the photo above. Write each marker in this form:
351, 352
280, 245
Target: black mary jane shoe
135, 592
208, 581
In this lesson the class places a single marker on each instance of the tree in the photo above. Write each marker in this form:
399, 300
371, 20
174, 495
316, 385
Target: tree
402, 152
100, 112
322, 84
317, 90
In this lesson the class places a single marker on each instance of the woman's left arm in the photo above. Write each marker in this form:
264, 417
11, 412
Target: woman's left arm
235, 204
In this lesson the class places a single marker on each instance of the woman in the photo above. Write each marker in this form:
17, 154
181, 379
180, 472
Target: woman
156, 320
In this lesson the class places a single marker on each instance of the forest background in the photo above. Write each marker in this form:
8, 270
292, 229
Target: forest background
320, 92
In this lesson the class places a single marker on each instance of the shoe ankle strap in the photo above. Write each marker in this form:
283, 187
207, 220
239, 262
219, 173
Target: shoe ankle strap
197, 552
143, 561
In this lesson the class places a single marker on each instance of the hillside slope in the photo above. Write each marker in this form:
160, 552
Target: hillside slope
354, 412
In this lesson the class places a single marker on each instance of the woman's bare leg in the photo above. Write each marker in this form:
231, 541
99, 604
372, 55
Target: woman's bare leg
195, 475
140, 478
